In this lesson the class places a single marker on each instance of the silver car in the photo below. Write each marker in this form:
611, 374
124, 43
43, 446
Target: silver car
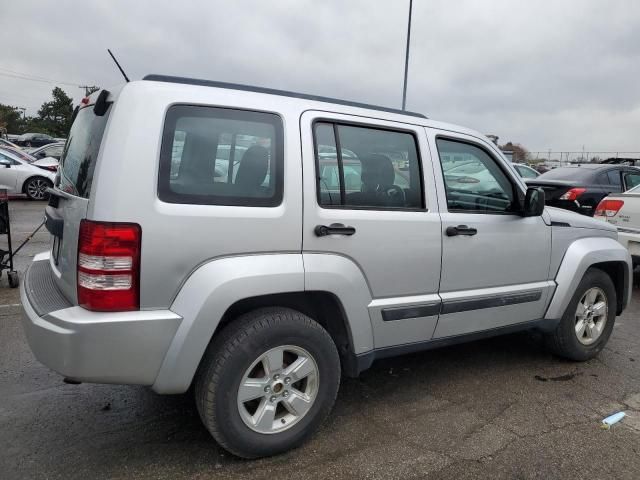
307, 254
18, 175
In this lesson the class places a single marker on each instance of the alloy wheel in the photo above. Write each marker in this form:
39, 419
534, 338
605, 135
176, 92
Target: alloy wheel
591, 316
37, 188
278, 389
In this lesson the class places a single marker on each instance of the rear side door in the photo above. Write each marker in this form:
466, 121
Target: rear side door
495, 263
367, 199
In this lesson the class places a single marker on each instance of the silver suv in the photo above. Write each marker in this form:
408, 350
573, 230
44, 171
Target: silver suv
257, 244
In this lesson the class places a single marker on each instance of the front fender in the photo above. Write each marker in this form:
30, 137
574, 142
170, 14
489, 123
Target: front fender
205, 297
581, 255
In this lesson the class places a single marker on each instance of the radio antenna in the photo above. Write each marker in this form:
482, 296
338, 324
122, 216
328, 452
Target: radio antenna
118, 65
406, 58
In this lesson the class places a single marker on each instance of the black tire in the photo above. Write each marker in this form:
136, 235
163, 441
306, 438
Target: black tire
34, 188
564, 340
234, 350
13, 279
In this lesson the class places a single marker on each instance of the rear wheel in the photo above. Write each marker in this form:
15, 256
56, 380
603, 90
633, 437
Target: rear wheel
588, 320
267, 382
36, 188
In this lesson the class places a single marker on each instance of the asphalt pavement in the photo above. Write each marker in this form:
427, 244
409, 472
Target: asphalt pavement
498, 408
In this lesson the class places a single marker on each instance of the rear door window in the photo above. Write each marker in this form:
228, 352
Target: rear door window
614, 177
220, 156
78, 160
367, 167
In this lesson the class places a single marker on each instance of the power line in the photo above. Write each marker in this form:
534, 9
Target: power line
5, 72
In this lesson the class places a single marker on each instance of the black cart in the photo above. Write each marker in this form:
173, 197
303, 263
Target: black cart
6, 256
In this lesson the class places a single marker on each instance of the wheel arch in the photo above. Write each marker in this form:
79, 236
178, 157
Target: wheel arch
220, 290
592, 252
23, 189
322, 306
618, 272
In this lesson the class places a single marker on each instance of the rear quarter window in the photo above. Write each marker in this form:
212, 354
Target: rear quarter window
221, 156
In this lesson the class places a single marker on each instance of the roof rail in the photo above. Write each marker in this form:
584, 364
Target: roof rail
272, 91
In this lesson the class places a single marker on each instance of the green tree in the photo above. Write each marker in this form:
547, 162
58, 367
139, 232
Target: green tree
54, 117
10, 120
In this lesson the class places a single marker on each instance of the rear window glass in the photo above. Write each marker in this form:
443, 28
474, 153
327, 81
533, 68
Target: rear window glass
78, 160
567, 173
221, 156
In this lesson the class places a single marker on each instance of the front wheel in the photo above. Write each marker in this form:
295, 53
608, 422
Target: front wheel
267, 382
36, 188
588, 320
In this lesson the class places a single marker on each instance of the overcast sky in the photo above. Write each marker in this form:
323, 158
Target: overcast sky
548, 74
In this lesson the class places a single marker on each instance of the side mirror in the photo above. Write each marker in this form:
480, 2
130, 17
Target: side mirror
533, 202
6, 163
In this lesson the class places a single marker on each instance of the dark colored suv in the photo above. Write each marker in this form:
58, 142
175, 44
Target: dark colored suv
580, 188
34, 140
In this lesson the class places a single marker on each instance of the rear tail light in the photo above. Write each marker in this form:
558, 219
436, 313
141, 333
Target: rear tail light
573, 194
51, 168
608, 208
109, 266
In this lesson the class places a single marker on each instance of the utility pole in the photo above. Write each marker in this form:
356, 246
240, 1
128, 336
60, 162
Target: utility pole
406, 58
24, 110
89, 89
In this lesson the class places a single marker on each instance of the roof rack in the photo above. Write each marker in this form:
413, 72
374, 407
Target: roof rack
272, 91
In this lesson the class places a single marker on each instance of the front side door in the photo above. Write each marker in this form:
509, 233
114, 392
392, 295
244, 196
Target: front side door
365, 199
495, 263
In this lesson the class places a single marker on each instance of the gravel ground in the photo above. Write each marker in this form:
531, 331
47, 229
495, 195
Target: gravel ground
499, 408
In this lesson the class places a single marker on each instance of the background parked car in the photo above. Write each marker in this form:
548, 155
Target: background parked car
34, 140
19, 176
471, 176
46, 163
580, 189
51, 150
623, 211
525, 171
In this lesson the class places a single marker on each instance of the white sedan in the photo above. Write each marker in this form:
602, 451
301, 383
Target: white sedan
623, 211
19, 176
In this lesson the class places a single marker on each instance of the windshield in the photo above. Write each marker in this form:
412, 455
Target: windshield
78, 159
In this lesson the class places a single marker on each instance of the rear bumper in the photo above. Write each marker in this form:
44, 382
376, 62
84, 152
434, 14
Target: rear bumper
121, 347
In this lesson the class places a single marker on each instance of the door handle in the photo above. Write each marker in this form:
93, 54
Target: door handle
460, 230
334, 229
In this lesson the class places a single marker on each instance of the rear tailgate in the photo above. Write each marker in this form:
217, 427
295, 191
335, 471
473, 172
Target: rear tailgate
69, 200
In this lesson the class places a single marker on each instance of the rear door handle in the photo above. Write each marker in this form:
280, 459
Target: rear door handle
460, 230
334, 229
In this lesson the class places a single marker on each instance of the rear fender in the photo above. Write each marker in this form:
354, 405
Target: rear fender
205, 297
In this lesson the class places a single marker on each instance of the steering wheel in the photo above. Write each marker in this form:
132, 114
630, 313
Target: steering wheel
396, 194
